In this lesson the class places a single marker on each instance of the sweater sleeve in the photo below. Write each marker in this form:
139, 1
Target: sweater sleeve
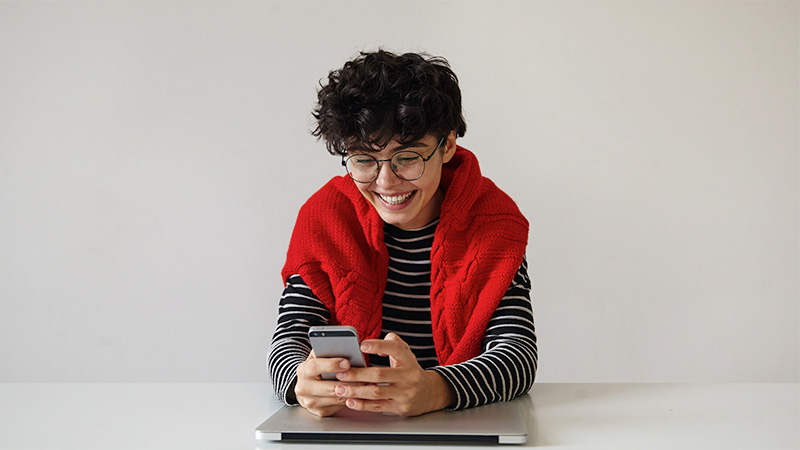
299, 309
507, 364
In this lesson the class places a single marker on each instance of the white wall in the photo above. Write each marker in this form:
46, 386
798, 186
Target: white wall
153, 155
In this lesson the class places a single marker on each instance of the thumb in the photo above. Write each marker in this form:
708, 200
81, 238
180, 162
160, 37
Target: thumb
403, 356
394, 337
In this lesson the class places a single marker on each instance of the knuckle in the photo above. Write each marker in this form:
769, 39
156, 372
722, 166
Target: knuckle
405, 398
300, 390
377, 407
314, 366
375, 392
380, 376
404, 409
305, 368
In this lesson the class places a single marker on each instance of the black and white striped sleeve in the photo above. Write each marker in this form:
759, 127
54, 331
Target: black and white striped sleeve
507, 365
299, 309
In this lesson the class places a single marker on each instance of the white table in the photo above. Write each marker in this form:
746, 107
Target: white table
568, 416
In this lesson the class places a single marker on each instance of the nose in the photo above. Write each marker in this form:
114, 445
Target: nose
386, 176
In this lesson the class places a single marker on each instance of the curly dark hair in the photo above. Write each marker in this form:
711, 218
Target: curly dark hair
380, 96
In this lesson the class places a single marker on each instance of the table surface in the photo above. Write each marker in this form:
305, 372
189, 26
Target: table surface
571, 416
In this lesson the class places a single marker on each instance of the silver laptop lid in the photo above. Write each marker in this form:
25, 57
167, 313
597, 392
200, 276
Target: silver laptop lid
496, 423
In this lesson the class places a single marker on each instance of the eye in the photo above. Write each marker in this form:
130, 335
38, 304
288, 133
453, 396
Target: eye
361, 160
404, 159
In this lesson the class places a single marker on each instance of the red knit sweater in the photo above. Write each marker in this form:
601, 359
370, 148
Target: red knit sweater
337, 248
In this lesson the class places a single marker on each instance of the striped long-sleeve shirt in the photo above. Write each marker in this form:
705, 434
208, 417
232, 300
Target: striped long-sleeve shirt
504, 370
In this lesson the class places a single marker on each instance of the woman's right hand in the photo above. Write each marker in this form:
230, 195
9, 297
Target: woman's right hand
315, 394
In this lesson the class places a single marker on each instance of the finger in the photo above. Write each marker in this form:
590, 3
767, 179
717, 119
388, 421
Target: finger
392, 346
327, 411
323, 407
309, 379
384, 406
373, 375
315, 367
313, 387
308, 400
370, 405
367, 391
393, 337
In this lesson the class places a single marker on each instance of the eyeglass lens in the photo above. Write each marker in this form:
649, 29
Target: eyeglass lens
406, 165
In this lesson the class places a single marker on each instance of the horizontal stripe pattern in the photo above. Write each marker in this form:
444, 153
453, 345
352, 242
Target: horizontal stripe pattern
299, 309
505, 369
407, 297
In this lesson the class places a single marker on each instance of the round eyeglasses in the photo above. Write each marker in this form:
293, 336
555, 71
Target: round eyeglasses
407, 165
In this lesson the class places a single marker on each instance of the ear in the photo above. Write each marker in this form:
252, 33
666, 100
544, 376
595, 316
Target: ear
449, 147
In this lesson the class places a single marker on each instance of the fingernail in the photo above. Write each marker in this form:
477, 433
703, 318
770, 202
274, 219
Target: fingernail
344, 364
365, 347
340, 390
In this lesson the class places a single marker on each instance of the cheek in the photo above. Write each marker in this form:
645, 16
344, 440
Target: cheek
429, 183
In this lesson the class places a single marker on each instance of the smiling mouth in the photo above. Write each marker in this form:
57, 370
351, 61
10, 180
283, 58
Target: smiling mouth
396, 199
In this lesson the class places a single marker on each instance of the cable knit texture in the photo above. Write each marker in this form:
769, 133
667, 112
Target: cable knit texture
337, 248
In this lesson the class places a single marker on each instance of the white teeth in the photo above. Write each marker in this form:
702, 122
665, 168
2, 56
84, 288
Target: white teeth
397, 199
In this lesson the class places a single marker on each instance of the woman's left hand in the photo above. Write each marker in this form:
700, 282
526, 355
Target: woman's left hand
404, 388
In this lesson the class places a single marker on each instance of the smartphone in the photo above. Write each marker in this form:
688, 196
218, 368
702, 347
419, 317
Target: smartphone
336, 341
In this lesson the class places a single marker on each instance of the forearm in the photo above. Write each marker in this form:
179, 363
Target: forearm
284, 357
298, 310
500, 374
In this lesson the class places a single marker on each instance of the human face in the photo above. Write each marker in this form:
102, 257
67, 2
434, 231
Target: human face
409, 204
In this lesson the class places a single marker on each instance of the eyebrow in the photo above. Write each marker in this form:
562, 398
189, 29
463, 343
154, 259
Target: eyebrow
407, 145
414, 144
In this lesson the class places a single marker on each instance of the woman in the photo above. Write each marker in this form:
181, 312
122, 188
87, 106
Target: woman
413, 247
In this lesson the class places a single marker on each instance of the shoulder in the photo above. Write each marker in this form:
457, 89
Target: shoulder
472, 197
493, 200
494, 212
496, 217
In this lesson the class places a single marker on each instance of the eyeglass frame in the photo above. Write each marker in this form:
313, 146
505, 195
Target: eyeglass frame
391, 166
